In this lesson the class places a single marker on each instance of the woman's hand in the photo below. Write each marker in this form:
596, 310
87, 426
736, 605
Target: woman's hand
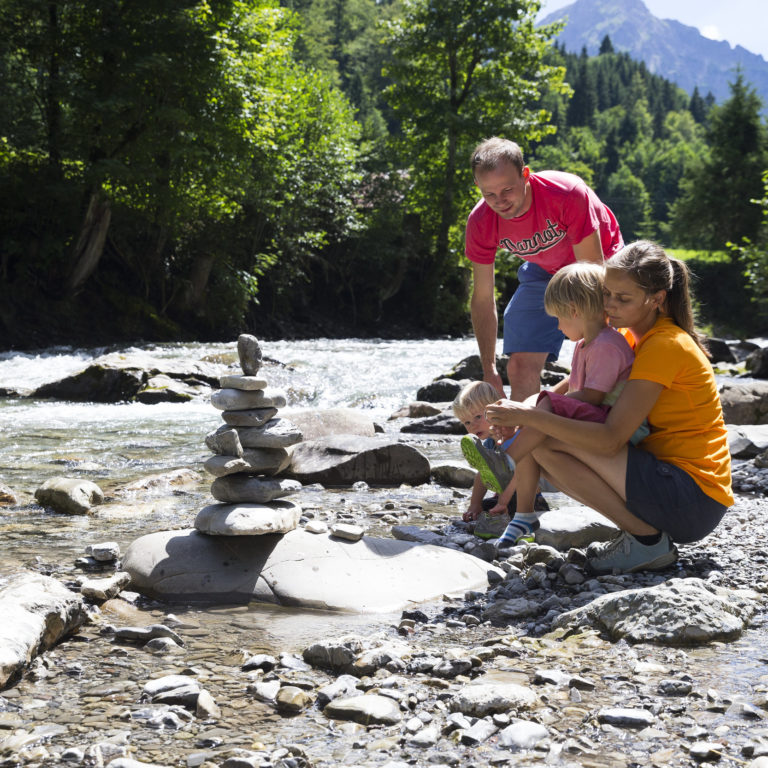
508, 413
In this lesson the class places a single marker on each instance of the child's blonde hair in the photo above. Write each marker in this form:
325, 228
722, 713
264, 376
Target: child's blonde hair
473, 398
577, 286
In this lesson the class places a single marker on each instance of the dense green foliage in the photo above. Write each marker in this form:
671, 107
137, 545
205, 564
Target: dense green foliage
301, 167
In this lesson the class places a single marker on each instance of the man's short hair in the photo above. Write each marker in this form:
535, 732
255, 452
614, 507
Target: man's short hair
491, 153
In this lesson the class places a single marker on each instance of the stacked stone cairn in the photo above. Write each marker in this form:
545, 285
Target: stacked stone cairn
249, 452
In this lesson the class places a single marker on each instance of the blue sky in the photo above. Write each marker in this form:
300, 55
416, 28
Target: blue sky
740, 22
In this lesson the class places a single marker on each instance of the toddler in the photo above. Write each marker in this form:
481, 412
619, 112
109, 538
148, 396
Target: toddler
469, 408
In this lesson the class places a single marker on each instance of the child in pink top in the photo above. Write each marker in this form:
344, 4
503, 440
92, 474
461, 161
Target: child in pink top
601, 363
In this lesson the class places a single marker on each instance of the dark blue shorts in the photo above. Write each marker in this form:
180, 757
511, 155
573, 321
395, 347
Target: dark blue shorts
668, 498
527, 327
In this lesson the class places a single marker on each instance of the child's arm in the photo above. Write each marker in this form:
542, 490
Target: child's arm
504, 498
561, 388
475, 500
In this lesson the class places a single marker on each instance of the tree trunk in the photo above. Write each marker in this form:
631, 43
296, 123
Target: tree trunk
90, 243
194, 296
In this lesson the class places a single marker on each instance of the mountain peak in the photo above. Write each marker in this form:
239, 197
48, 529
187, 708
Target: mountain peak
669, 48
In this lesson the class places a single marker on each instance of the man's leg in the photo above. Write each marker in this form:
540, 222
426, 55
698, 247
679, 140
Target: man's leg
524, 373
530, 334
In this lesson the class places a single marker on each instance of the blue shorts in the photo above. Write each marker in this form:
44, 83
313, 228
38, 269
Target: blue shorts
527, 327
668, 498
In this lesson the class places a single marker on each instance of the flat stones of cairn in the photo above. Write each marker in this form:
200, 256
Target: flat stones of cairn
249, 352
256, 417
248, 519
244, 489
241, 400
248, 383
267, 461
225, 441
276, 433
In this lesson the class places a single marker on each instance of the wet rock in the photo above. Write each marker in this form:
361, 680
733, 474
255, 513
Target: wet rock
344, 460
267, 461
343, 686
676, 612
165, 389
336, 655
416, 534
100, 590
480, 731
175, 480
419, 409
368, 709
7, 496
454, 474
626, 718
484, 699
442, 424
38, 611
69, 496
706, 750
145, 634
248, 519
292, 700
98, 383
675, 687
104, 552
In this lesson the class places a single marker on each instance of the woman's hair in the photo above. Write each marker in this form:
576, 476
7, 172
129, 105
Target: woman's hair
650, 267
576, 286
473, 398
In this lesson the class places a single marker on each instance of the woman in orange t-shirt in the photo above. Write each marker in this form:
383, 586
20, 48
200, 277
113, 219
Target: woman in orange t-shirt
675, 486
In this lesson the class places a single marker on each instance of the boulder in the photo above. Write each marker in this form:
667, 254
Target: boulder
757, 363
96, 384
678, 612
248, 519
7, 496
347, 459
441, 390
300, 569
454, 474
747, 441
721, 352
745, 403
37, 611
315, 423
442, 424
574, 526
161, 388
68, 495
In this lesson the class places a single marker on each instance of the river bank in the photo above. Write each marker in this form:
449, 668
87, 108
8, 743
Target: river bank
85, 701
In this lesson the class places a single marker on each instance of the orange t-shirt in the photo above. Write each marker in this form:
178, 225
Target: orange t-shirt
686, 422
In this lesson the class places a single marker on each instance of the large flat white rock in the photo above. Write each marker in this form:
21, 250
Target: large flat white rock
300, 569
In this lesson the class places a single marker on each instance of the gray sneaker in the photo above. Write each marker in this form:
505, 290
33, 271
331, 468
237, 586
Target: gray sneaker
490, 526
625, 554
493, 466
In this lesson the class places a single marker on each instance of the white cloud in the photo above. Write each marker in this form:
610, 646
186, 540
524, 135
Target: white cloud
712, 31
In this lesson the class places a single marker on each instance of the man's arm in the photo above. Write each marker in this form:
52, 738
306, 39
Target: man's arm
589, 249
485, 321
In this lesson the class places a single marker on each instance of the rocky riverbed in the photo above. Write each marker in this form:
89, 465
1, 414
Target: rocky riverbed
519, 673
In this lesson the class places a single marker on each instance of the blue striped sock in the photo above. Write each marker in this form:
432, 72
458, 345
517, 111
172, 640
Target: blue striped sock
521, 527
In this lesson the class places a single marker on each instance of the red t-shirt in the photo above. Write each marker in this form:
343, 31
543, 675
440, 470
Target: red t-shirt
564, 210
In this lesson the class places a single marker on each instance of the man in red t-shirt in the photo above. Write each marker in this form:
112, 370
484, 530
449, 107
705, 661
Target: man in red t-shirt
549, 219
